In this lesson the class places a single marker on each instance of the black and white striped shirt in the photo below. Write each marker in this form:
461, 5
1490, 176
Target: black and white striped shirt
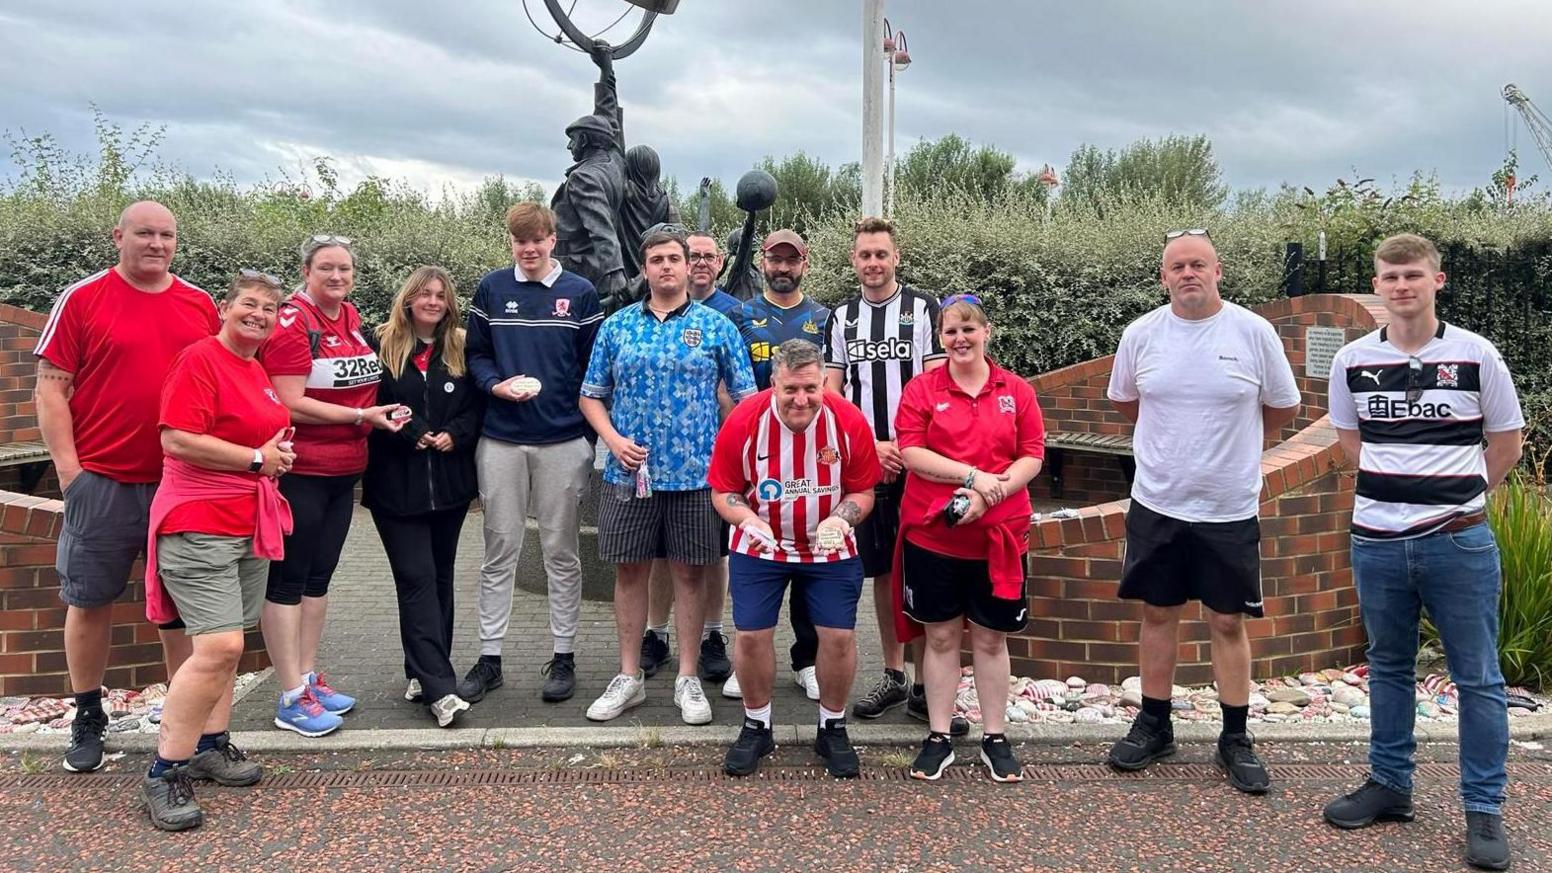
1422, 419
879, 347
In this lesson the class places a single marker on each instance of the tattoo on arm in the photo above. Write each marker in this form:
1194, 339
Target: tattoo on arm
737, 500
849, 512
47, 370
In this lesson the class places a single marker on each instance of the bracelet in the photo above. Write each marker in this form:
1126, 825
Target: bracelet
970, 478
360, 416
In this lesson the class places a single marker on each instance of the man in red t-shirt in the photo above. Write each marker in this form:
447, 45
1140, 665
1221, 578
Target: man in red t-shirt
106, 349
792, 471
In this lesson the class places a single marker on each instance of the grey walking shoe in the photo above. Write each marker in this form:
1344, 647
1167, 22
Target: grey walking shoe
225, 765
169, 799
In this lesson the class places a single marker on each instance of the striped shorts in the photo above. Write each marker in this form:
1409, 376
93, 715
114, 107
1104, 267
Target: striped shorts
678, 525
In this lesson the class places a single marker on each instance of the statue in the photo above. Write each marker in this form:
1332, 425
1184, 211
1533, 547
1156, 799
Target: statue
645, 204
756, 191
587, 204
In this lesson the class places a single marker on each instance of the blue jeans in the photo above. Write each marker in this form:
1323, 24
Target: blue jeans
1456, 577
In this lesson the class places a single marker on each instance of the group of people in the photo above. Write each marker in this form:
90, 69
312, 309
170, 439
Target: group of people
754, 447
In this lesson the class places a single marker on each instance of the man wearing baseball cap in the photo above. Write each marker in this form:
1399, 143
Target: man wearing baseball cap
783, 313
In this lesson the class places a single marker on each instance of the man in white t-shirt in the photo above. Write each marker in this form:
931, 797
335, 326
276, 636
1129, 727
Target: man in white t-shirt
1204, 380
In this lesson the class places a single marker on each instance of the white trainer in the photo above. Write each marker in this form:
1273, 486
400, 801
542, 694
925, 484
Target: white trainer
413, 692
691, 700
731, 690
447, 709
808, 680
624, 692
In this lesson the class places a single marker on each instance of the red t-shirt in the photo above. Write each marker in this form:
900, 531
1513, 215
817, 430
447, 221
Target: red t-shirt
793, 481
120, 342
345, 372
213, 391
988, 431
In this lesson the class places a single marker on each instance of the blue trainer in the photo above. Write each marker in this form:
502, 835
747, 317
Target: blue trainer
332, 700
306, 716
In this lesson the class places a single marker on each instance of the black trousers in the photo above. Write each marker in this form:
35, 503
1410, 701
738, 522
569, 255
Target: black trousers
805, 645
421, 552
320, 522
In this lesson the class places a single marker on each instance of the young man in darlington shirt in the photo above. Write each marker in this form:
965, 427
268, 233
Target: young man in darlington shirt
1413, 404
714, 665
531, 321
659, 362
793, 472
875, 343
1204, 380
781, 313
102, 357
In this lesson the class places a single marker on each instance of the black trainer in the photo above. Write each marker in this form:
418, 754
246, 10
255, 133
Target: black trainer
654, 651
484, 676
754, 742
1487, 846
1372, 802
834, 746
916, 707
1149, 740
560, 678
997, 755
935, 756
714, 664
885, 695
169, 800
87, 733
1237, 756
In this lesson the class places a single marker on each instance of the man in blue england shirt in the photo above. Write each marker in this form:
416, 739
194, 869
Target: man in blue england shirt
781, 313
658, 362
530, 332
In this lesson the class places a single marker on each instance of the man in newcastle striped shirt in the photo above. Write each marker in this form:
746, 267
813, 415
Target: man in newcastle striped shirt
1413, 404
792, 471
876, 342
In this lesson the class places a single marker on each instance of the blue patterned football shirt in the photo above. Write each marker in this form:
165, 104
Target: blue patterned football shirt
764, 326
661, 378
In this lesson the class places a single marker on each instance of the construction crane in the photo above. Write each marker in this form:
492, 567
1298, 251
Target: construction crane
1536, 122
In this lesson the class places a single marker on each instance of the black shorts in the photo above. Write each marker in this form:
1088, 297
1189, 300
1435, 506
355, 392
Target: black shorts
1169, 561
877, 533
942, 588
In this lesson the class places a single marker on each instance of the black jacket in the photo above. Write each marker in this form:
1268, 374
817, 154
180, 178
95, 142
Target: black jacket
403, 480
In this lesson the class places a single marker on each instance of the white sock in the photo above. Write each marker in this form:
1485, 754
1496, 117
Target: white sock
761, 715
660, 629
710, 628
289, 697
829, 715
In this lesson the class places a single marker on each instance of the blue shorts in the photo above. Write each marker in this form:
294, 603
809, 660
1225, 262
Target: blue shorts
757, 586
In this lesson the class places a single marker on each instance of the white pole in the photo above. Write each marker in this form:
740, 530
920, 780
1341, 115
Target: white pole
872, 108
889, 158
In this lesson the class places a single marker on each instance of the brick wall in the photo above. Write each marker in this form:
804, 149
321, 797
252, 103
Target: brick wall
1078, 626
1086, 477
19, 330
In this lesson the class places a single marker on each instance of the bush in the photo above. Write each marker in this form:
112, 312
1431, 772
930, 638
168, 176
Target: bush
1520, 512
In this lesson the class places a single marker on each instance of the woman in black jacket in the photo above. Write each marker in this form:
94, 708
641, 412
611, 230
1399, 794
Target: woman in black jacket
420, 480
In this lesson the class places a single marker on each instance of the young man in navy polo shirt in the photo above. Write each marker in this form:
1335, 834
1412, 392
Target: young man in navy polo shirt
531, 331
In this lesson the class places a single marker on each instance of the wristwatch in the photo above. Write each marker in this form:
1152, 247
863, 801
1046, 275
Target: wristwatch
258, 461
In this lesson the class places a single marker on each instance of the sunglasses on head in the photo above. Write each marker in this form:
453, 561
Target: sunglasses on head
961, 298
1170, 235
1414, 390
260, 276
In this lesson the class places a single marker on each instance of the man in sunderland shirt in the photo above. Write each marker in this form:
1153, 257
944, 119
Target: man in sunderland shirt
1413, 403
792, 472
875, 343
103, 355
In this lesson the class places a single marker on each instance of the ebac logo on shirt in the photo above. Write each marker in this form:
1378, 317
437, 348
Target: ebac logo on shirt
769, 490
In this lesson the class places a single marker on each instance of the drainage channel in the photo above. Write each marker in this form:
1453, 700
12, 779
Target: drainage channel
367, 779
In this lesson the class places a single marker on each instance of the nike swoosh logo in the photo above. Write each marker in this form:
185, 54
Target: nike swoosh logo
760, 457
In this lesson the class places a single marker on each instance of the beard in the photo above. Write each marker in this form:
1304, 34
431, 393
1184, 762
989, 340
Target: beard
783, 284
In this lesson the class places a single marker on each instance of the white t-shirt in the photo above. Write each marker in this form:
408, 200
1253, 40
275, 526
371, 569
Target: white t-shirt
1201, 385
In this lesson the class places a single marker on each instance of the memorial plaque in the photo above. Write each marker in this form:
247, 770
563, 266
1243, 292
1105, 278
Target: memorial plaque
1321, 345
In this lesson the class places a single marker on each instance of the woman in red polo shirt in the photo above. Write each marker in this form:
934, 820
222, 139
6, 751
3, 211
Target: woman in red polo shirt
972, 438
327, 375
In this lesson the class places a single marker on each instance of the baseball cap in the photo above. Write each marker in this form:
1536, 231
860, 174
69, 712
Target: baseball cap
788, 238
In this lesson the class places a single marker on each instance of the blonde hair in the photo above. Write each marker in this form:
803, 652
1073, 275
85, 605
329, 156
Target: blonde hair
1406, 248
396, 336
967, 311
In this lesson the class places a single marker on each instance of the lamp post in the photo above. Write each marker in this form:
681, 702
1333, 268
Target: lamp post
899, 58
872, 108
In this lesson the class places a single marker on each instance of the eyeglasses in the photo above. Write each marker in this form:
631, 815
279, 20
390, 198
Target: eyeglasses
1414, 390
259, 276
1170, 235
961, 298
697, 257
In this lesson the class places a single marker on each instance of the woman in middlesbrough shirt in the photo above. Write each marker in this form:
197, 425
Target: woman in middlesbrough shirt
216, 521
972, 438
327, 376
421, 479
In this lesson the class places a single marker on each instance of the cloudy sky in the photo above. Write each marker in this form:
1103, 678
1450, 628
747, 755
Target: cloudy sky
450, 93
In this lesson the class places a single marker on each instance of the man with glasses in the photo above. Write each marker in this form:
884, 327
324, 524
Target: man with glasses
1413, 404
783, 312
102, 358
1204, 380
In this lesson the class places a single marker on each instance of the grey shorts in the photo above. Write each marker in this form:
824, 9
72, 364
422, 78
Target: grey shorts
677, 525
215, 580
104, 532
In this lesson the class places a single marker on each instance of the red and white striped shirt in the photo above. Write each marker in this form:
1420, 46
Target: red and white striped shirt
793, 481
